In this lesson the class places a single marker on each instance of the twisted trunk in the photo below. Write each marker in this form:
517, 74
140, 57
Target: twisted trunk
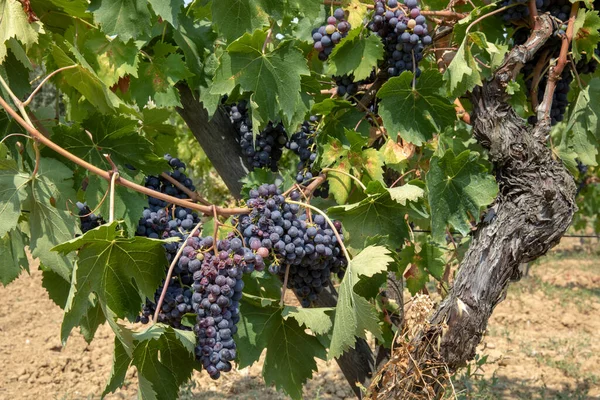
534, 207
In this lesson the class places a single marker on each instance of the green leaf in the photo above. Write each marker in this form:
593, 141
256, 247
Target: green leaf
122, 271
583, 124
354, 315
13, 185
340, 184
167, 10
15, 24
378, 214
50, 222
91, 321
12, 254
117, 136
111, 59
463, 73
356, 55
429, 260
406, 192
124, 18
84, 81
160, 378
156, 80
315, 319
236, 17
458, 186
56, 286
586, 34
121, 361
415, 114
273, 77
291, 352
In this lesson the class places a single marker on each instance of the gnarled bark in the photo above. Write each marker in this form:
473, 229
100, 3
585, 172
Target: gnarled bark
534, 207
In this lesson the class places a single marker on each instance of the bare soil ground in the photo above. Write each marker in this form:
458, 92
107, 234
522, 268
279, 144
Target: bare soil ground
543, 342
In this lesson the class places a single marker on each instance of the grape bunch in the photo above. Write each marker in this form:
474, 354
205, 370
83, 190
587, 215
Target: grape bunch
303, 143
217, 291
177, 303
162, 221
346, 85
404, 33
305, 246
330, 34
266, 148
87, 219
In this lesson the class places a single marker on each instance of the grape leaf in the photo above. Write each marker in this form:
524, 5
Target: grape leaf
233, 18
583, 123
13, 184
354, 315
14, 24
463, 73
415, 114
122, 271
125, 18
56, 286
406, 192
121, 361
274, 77
356, 55
111, 59
340, 184
156, 80
91, 321
167, 10
457, 186
160, 378
315, 319
84, 81
585, 34
378, 214
49, 219
117, 136
285, 365
12, 254
195, 39
427, 261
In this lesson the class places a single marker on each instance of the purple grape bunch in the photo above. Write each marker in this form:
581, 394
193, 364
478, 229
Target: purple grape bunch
304, 245
404, 33
264, 150
327, 36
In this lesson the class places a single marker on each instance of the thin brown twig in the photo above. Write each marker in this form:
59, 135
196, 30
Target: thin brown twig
215, 230
556, 71
39, 87
533, 15
193, 195
106, 174
444, 14
402, 177
170, 273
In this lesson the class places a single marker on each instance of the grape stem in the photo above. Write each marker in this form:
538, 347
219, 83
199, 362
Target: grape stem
329, 222
402, 177
111, 208
193, 195
170, 272
363, 187
46, 79
106, 174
